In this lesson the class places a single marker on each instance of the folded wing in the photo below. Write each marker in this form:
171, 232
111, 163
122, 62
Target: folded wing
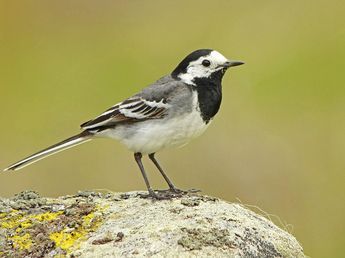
131, 110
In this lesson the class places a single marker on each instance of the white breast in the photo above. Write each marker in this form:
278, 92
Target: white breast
153, 135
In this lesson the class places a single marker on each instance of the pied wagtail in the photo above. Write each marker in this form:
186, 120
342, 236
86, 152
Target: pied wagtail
168, 113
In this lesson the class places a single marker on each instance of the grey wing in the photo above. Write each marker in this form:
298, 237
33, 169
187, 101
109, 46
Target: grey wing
176, 93
153, 102
131, 110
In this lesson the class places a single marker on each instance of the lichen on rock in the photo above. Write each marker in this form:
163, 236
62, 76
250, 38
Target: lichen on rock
91, 224
34, 226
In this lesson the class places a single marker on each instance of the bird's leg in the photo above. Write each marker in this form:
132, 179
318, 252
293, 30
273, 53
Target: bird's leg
138, 157
171, 185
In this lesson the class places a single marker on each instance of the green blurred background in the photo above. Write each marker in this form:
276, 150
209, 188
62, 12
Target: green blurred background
277, 143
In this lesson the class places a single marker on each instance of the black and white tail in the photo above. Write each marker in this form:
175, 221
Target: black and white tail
63, 145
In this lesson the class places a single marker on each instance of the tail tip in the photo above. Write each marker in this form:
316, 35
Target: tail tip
8, 169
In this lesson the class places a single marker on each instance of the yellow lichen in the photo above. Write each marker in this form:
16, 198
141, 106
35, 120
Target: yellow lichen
87, 219
12, 220
47, 216
23, 242
17, 222
20, 221
65, 240
24, 224
7, 224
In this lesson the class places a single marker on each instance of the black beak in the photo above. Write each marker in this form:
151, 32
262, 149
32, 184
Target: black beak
232, 63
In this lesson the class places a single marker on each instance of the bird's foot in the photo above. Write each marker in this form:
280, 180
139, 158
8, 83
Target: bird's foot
159, 195
179, 191
168, 193
176, 190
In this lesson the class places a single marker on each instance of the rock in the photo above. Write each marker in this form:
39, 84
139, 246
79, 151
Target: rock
91, 224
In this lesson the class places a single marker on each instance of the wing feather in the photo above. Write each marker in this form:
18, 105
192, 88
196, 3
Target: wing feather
131, 110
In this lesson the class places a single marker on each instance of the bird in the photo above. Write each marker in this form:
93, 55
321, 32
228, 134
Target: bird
170, 112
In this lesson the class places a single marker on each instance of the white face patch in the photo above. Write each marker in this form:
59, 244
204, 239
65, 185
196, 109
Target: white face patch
196, 69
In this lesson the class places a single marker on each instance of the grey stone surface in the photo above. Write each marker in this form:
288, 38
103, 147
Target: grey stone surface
131, 225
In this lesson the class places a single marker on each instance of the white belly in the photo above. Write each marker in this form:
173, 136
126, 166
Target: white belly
153, 135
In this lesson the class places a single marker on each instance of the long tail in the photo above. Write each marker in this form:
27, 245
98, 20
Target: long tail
63, 145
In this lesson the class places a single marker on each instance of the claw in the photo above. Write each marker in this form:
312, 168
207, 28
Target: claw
168, 194
153, 195
177, 191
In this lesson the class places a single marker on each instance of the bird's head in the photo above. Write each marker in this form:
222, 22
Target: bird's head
203, 63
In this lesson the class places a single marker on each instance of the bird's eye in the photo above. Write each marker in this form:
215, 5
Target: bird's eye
206, 63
